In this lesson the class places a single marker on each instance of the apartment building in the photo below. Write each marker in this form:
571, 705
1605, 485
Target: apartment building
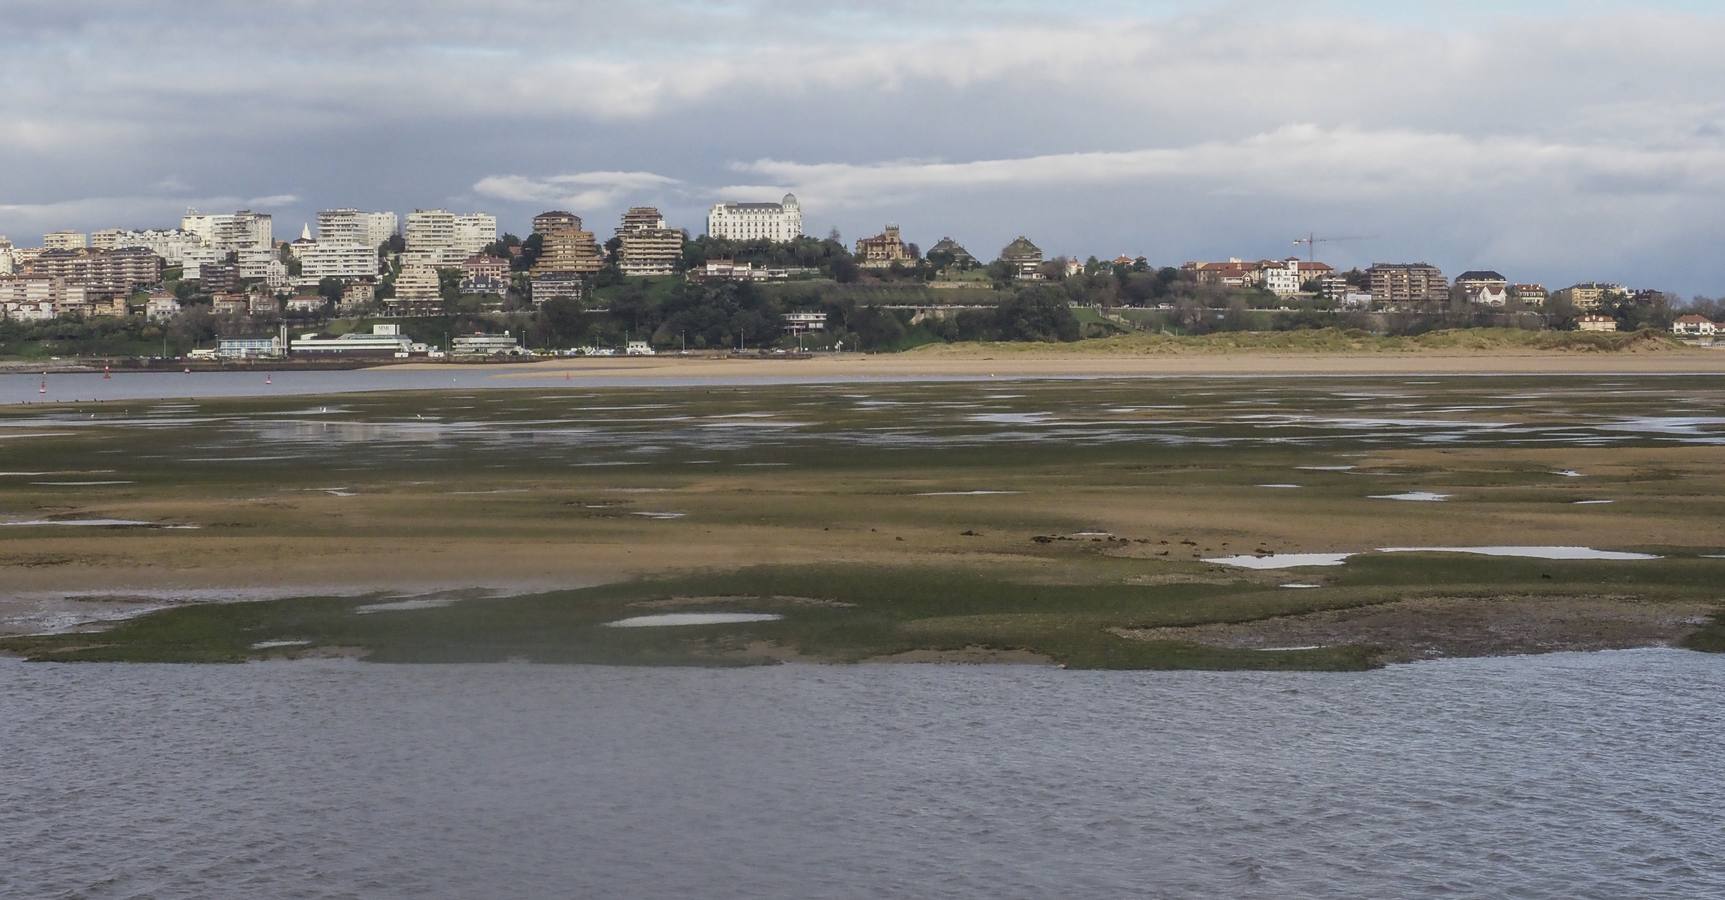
647, 246
568, 248
555, 218
882, 250
418, 291
1591, 295
440, 238
1024, 258
351, 226
231, 231
1394, 283
106, 239
192, 262
1531, 295
261, 264
101, 270
948, 247
171, 244
1281, 277
347, 260
65, 240
782, 221
219, 278
549, 286
39, 297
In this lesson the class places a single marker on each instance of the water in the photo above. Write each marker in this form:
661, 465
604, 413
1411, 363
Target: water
25, 387
1572, 776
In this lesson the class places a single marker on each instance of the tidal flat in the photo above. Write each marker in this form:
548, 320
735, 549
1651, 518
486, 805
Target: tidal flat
1087, 523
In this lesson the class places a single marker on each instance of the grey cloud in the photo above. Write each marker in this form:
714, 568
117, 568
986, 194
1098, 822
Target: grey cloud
1091, 128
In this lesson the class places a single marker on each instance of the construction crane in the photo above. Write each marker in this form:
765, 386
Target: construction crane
1311, 242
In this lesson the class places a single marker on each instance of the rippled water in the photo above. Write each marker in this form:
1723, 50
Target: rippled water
1555, 776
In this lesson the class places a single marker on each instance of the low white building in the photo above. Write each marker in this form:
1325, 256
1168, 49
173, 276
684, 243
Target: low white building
384, 340
485, 345
799, 322
161, 307
1693, 325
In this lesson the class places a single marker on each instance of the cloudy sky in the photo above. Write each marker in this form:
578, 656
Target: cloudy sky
1553, 141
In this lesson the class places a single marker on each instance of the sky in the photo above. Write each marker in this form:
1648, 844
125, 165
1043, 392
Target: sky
1551, 141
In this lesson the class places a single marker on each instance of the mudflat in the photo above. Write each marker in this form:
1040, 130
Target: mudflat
1108, 523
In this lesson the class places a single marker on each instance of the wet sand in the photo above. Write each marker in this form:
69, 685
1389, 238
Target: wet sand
951, 363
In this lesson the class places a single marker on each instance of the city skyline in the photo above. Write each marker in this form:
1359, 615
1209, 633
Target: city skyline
1560, 147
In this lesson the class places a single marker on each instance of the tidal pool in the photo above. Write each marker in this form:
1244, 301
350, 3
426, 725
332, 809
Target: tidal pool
1282, 560
1529, 552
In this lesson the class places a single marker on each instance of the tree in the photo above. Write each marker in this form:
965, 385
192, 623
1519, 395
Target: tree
845, 270
530, 252
1039, 313
564, 320
329, 287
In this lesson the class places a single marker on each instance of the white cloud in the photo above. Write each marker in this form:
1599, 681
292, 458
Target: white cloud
576, 191
1293, 160
271, 201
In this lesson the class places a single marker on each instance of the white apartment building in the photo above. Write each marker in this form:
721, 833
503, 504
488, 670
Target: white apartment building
65, 240
254, 262
6, 266
782, 221
231, 231
171, 244
330, 259
438, 237
1282, 278
350, 226
193, 260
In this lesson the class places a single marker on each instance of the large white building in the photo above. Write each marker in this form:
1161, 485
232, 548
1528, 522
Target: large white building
231, 231
438, 237
350, 226
326, 259
782, 221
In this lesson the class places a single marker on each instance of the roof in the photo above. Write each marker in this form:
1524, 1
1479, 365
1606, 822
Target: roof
1484, 275
1021, 246
1694, 318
